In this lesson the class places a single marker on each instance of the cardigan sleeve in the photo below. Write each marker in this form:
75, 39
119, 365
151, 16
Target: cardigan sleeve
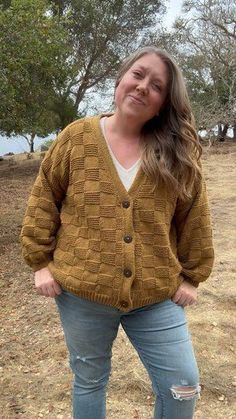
42, 216
194, 235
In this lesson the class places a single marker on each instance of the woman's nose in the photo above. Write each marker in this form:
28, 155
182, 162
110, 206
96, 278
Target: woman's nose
142, 86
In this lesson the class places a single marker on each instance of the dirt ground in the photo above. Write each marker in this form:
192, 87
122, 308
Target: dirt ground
34, 372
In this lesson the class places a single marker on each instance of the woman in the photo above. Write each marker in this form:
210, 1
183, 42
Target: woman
117, 229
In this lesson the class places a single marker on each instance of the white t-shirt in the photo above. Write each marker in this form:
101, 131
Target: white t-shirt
127, 176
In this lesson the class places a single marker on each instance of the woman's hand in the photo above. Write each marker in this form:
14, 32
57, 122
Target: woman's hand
186, 294
45, 284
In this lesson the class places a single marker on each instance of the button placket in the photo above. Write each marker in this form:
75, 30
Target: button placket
129, 250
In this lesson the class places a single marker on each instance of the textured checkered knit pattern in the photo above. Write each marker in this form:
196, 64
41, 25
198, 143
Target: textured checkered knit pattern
116, 247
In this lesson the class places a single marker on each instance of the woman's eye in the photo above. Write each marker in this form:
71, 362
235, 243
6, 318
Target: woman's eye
137, 74
156, 86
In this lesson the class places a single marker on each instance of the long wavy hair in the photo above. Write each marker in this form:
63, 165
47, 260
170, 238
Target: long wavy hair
171, 148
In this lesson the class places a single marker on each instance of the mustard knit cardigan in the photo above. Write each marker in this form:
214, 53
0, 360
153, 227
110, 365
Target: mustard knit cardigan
104, 244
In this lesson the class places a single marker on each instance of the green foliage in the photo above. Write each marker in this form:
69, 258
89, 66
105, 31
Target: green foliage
64, 107
5, 4
33, 53
102, 33
53, 52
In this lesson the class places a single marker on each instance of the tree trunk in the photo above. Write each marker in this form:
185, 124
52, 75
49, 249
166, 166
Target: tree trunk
32, 143
222, 132
219, 134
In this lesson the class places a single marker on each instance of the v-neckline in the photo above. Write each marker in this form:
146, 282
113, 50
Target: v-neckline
107, 159
124, 169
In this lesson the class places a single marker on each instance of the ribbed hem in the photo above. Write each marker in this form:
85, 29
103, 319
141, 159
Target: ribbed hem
113, 302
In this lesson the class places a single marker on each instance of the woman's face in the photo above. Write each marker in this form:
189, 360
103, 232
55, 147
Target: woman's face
142, 90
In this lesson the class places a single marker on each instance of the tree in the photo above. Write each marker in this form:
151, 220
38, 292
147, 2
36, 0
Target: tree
101, 34
54, 52
33, 56
207, 33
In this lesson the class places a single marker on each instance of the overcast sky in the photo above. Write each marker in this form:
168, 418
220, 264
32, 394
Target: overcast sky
173, 10
19, 144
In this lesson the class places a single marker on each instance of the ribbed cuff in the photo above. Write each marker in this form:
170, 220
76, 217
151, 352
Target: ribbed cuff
194, 283
40, 265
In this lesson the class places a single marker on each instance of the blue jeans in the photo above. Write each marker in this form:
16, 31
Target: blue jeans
159, 334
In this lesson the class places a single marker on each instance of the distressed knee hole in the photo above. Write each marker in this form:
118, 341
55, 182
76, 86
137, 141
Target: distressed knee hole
185, 392
86, 370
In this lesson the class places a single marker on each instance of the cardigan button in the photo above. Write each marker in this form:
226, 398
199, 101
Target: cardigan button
125, 204
124, 304
127, 273
128, 239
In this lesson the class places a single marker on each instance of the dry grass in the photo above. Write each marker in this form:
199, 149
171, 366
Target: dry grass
35, 378
21, 157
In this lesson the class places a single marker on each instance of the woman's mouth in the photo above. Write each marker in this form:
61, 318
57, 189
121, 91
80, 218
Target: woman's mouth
137, 100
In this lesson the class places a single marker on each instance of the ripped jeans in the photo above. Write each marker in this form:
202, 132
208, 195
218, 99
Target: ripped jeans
159, 334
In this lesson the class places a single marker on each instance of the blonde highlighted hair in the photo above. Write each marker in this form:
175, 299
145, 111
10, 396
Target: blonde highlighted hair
171, 145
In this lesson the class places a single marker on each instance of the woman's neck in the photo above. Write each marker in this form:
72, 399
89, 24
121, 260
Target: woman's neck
124, 128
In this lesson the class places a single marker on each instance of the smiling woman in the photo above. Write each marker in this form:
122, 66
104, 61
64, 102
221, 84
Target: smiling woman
142, 91
139, 97
118, 230
168, 139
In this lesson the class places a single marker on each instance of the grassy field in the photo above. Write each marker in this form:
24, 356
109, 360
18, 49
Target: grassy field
35, 377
